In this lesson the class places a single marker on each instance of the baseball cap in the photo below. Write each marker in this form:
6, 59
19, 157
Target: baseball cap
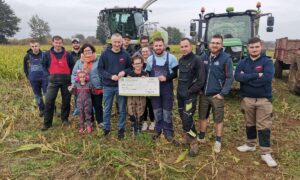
75, 40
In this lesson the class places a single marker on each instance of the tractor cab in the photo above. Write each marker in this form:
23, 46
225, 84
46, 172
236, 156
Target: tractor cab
123, 21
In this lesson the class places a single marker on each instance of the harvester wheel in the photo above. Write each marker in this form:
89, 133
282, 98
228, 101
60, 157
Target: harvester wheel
278, 69
294, 77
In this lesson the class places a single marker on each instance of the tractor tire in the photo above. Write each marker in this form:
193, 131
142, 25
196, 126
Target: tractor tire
294, 77
278, 69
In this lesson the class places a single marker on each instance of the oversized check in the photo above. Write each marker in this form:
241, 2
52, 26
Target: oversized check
136, 86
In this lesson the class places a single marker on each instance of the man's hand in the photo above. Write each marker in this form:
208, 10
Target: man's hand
260, 75
121, 74
218, 96
162, 78
242, 72
115, 78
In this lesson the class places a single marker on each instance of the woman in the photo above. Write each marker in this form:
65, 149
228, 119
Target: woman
146, 52
88, 62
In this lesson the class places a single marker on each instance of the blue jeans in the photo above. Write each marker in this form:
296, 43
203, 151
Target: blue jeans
108, 96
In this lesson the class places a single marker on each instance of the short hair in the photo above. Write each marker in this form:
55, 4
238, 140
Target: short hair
148, 47
217, 36
116, 35
254, 40
87, 45
159, 39
56, 37
135, 57
31, 41
144, 37
186, 39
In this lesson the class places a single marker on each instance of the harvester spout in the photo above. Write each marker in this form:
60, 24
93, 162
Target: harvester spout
148, 3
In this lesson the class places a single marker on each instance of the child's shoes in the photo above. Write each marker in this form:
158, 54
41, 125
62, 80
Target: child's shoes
81, 130
89, 128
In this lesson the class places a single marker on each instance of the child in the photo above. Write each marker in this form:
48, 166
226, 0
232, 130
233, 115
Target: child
83, 89
35, 74
136, 105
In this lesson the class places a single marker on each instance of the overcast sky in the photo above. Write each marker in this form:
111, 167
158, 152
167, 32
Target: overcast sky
70, 17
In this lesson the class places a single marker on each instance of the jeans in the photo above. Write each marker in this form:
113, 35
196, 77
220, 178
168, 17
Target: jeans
108, 96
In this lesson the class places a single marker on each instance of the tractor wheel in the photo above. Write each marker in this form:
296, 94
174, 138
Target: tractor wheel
294, 77
278, 69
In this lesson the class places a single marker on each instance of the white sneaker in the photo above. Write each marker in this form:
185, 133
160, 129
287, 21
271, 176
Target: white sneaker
217, 147
246, 148
201, 141
269, 160
152, 126
144, 126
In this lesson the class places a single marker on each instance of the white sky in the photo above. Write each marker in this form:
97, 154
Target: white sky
70, 17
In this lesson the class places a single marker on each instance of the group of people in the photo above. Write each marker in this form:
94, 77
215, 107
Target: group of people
207, 77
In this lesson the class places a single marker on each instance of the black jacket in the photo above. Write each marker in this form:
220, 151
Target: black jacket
191, 75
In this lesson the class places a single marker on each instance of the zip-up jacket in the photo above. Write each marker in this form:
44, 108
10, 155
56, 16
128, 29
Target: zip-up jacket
94, 75
112, 63
219, 74
247, 73
191, 77
58, 76
32, 66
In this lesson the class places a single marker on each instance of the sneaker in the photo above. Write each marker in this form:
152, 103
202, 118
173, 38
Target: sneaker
246, 148
106, 132
81, 130
217, 147
144, 126
194, 148
89, 128
201, 141
170, 139
121, 134
267, 158
152, 126
101, 125
76, 112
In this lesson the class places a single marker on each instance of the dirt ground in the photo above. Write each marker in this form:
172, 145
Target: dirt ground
63, 153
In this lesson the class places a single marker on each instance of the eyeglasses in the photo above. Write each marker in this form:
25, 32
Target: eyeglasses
88, 50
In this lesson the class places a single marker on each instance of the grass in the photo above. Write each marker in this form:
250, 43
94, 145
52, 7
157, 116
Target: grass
62, 153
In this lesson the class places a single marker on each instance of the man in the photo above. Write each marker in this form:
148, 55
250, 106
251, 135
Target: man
164, 66
219, 78
75, 53
59, 64
114, 64
126, 44
144, 42
255, 75
75, 49
190, 82
34, 73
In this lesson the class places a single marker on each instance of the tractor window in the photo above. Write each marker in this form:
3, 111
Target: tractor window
230, 27
139, 19
123, 23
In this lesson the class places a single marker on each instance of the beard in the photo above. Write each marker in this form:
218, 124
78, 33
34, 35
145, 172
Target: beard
159, 52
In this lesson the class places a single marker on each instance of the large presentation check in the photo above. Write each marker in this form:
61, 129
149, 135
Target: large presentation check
136, 86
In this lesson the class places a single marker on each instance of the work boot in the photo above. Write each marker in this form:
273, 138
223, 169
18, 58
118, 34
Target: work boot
121, 134
194, 148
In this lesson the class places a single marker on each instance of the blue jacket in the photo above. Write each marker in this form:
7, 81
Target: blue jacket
219, 74
94, 74
251, 84
32, 66
112, 63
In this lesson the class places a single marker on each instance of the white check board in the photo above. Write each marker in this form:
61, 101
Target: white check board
138, 86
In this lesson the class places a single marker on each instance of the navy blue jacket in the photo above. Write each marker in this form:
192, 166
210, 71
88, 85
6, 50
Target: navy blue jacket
219, 74
32, 66
112, 63
251, 84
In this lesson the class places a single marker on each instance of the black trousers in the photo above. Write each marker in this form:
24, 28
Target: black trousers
148, 111
97, 107
186, 109
52, 90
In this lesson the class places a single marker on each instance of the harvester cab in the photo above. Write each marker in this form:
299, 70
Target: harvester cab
235, 27
130, 21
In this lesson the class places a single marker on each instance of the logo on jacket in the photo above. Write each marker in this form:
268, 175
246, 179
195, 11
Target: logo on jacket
205, 62
121, 60
259, 68
216, 63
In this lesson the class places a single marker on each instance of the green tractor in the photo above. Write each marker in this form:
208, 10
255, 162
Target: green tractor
235, 27
130, 21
